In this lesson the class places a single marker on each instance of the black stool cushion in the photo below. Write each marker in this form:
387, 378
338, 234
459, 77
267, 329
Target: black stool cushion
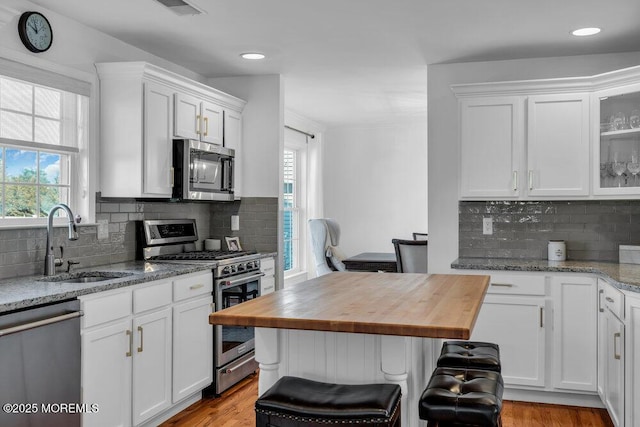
304, 398
457, 396
470, 354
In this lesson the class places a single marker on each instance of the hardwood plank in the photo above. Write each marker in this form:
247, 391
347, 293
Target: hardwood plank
421, 305
235, 408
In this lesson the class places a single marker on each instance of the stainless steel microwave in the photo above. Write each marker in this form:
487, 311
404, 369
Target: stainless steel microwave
202, 171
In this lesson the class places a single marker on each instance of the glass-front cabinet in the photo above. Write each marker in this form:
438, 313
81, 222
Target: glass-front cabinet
618, 152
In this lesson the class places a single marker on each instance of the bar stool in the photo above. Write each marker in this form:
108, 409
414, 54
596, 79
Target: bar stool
462, 397
298, 402
470, 354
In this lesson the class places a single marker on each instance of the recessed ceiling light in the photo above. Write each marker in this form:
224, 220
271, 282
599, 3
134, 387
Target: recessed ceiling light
585, 31
252, 55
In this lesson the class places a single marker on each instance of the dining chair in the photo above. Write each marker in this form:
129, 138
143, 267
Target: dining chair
420, 236
411, 255
325, 236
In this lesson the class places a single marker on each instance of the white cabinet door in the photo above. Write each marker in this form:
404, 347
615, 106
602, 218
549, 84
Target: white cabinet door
517, 325
212, 123
192, 347
574, 333
614, 373
233, 139
151, 364
157, 131
187, 116
106, 374
632, 356
490, 147
602, 341
558, 145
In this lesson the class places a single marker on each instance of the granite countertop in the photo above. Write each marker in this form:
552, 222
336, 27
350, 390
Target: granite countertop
24, 292
623, 276
29, 291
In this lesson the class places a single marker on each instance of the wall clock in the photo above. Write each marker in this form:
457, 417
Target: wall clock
35, 32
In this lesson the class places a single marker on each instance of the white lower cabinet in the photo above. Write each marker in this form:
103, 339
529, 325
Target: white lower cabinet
268, 281
546, 327
151, 380
144, 348
193, 347
575, 342
513, 316
632, 357
611, 341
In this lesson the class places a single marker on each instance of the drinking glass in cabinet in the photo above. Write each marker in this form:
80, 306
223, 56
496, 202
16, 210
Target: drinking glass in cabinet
634, 119
618, 169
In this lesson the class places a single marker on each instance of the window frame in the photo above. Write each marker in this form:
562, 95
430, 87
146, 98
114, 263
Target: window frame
83, 158
300, 205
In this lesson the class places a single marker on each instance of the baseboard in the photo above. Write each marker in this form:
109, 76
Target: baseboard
553, 397
175, 409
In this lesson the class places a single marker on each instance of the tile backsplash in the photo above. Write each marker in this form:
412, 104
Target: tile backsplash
593, 230
22, 250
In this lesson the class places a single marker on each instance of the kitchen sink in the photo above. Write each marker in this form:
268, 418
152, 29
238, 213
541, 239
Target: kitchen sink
85, 277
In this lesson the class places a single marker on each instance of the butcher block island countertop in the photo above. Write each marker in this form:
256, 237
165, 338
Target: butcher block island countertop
401, 304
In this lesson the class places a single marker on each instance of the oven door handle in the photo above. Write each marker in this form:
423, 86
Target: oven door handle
230, 283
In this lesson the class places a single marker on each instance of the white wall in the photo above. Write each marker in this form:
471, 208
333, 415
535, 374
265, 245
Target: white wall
262, 131
375, 183
443, 130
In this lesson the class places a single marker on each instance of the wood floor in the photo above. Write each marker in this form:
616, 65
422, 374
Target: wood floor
235, 409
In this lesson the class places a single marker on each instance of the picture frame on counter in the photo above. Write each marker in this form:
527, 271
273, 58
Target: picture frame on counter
233, 243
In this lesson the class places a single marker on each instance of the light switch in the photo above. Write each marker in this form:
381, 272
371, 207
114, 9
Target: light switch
235, 223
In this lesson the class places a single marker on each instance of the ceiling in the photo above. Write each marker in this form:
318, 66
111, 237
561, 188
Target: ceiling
354, 61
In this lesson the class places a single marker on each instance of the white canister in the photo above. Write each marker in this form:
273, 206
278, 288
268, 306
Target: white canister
212, 244
557, 250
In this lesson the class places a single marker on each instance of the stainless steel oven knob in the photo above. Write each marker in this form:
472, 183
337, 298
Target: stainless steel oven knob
232, 268
241, 267
226, 270
250, 265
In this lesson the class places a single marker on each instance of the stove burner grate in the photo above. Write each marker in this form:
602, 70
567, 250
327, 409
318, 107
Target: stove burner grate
201, 255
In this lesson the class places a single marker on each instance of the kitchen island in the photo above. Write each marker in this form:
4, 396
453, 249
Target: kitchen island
360, 328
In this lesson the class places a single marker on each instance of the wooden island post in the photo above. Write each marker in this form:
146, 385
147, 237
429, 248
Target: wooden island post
360, 328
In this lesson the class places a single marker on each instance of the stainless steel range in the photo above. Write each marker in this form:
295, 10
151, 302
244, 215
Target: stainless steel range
236, 279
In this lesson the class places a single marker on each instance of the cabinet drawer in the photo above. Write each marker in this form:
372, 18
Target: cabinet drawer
516, 284
267, 285
106, 308
613, 299
191, 286
268, 266
154, 296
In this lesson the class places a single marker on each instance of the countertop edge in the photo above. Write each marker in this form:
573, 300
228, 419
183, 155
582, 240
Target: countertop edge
608, 271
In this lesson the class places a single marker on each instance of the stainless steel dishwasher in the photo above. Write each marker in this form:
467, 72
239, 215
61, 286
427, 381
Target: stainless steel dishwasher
40, 366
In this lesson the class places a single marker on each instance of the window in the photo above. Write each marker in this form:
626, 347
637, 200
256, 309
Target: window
291, 216
42, 130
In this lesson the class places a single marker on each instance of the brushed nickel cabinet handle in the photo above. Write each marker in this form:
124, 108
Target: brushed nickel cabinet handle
530, 180
616, 354
206, 126
503, 285
609, 299
198, 124
198, 286
515, 180
600, 293
172, 176
128, 353
542, 317
141, 337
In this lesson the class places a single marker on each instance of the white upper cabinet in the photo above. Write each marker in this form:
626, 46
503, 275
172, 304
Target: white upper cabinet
566, 138
527, 147
142, 108
198, 119
558, 145
491, 144
616, 129
233, 139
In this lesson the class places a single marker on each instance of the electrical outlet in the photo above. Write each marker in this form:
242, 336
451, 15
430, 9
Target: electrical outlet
487, 225
235, 223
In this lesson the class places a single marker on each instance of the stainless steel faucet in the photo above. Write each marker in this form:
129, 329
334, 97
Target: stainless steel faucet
50, 261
